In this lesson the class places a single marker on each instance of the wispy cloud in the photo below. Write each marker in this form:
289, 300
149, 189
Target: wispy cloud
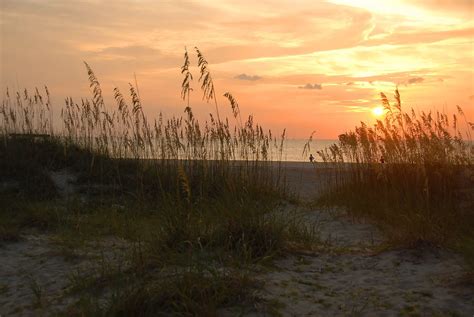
247, 77
356, 49
357, 108
415, 80
130, 50
311, 86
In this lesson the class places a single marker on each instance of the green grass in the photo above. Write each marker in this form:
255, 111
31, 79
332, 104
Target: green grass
197, 291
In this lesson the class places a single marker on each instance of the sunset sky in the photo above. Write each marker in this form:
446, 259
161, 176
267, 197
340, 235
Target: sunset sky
301, 65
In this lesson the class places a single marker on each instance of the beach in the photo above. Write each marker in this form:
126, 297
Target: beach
352, 271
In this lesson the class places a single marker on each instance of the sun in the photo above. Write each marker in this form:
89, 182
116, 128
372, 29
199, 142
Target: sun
378, 111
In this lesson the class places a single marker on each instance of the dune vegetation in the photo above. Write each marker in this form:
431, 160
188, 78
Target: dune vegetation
191, 200
176, 216
411, 174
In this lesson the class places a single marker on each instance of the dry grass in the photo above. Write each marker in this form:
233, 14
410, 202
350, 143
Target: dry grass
186, 190
423, 192
175, 149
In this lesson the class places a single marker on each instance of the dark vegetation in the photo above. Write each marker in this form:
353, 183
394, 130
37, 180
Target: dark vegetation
193, 200
423, 193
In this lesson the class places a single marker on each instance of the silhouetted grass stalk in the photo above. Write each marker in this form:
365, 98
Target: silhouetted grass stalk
217, 147
423, 190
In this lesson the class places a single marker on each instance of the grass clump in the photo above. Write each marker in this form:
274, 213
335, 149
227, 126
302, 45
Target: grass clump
410, 173
247, 236
195, 291
189, 293
28, 214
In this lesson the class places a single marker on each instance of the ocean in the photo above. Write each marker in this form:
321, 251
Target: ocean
293, 149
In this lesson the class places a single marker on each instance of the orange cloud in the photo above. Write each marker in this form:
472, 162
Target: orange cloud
260, 51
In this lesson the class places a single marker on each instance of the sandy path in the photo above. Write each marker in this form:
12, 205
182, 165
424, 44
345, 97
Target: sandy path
348, 278
388, 284
32, 275
35, 272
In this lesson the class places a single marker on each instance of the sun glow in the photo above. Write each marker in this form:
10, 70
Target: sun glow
378, 111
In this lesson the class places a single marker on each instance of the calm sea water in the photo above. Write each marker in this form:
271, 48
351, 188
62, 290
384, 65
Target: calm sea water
293, 149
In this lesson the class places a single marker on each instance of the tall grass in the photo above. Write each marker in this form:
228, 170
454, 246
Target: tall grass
186, 190
180, 152
412, 173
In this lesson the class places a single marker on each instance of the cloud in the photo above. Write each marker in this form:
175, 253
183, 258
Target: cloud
415, 80
130, 50
401, 37
453, 6
310, 86
357, 108
247, 77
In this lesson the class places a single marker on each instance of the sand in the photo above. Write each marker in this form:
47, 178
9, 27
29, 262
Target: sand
347, 276
36, 272
350, 277
31, 266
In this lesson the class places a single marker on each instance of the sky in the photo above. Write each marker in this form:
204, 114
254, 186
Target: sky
303, 65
